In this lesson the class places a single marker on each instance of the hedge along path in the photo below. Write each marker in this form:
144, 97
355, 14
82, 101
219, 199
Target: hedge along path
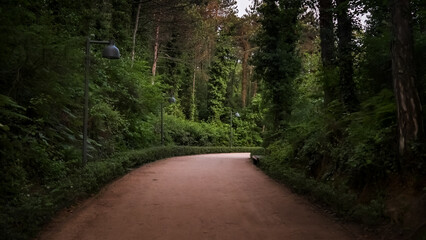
214, 196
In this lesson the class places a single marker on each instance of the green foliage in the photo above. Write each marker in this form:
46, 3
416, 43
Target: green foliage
109, 126
281, 151
332, 158
371, 131
356, 144
277, 62
220, 73
13, 175
143, 132
375, 63
187, 133
320, 149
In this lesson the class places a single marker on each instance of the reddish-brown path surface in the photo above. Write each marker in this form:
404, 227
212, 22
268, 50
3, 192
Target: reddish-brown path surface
214, 196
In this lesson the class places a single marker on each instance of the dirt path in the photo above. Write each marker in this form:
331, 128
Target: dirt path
216, 196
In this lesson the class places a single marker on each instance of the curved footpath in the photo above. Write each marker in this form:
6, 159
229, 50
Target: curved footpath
214, 196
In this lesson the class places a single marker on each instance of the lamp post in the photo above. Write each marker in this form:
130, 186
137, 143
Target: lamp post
230, 129
110, 52
171, 100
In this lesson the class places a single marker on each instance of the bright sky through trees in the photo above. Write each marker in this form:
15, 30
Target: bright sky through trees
242, 5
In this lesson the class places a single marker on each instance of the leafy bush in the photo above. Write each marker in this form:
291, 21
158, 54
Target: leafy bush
108, 128
335, 159
182, 132
188, 133
356, 145
143, 133
342, 201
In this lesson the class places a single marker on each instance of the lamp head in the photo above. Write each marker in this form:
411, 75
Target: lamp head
172, 100
111, 51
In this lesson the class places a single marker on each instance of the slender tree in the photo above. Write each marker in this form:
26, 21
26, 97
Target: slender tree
409, 108
135, 30
328, 50
156, 49
345, 56
247, 27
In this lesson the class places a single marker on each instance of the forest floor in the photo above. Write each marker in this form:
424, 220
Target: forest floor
214, 196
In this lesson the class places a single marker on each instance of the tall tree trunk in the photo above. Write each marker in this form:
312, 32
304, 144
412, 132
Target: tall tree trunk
409, 108
246, 49
254, 88
156, 46
327, 50
193, 104
135, 30
344, 33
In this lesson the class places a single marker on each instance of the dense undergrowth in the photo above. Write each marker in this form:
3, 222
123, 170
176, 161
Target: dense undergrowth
338, 199
22, 216
349, 164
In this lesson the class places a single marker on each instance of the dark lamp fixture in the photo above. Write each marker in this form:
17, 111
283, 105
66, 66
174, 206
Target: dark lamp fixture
172, 100
111, 51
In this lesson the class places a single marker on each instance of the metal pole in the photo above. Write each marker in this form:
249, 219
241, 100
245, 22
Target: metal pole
86, 100
231, 130
162, 125
100, 42
86, 94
